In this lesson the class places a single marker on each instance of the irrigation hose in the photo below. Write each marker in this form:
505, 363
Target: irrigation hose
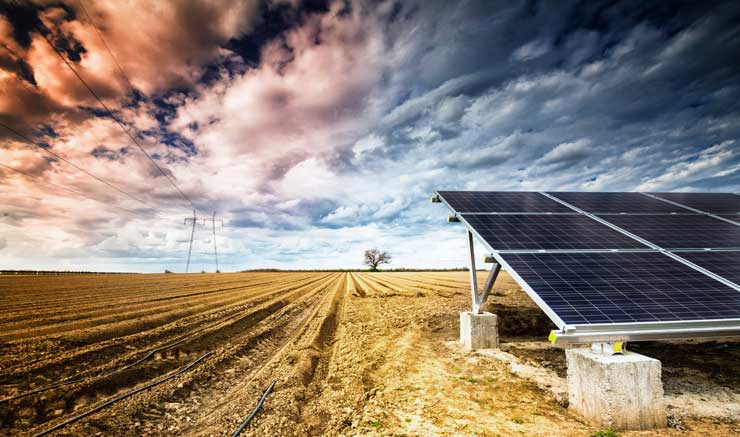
255, 411
123, 396
73, 380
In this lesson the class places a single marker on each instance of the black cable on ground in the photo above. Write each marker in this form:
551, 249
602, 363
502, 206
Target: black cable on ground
255, 411
123, 396
73, 380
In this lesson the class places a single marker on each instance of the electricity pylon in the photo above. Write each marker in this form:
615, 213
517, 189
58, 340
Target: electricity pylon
196, 219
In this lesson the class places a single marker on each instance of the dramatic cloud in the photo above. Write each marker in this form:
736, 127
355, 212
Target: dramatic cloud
317, 130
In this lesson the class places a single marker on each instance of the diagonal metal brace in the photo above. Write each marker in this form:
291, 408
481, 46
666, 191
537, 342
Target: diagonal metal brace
479, 300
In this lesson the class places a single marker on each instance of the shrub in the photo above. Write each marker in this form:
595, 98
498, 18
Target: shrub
605, 433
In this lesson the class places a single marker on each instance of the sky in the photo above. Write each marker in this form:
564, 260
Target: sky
317, 130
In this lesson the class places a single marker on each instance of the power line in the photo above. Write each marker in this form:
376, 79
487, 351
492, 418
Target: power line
128, 81
120, 124
115, 60
107, 47
56, 155
69, 190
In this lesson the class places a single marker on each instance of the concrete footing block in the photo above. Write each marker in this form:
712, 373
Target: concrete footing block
478, 331
622, 392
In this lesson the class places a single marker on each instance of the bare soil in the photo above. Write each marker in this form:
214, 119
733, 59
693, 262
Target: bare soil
351, 354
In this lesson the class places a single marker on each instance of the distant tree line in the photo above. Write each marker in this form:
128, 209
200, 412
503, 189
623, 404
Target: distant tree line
59, 272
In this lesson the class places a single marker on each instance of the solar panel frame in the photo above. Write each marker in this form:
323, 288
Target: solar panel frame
734, 217
714, 203
616, 202
684, 231
501, 202
548, 232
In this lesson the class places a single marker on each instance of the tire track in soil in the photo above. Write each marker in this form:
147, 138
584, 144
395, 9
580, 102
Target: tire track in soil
297, 364
314, 414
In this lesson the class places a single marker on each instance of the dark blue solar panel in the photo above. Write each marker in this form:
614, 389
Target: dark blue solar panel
707, 202
589, 288
696, 231
617, 202
506, 232
501, 201
725, 264
734, 217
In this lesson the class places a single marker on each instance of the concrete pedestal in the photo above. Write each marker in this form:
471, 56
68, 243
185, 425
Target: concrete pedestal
618, 391
478, 331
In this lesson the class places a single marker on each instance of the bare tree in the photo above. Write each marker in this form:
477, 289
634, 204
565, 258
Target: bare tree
374, 258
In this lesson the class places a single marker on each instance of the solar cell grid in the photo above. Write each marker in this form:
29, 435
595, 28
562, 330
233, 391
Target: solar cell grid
734, 217
696, 231
595, 202
501, 201
707, 202
534, 232
631, 287
722, 263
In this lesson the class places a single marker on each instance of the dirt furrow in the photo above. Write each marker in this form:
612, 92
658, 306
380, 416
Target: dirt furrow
87, 309
140, 302
128, 345
236, 360
80, 396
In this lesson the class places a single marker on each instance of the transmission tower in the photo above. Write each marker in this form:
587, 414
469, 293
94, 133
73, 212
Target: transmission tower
203, 220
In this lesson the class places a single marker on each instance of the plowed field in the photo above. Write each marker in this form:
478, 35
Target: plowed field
351, 354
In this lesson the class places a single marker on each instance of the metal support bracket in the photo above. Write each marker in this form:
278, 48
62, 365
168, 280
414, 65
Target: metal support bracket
479, 300
609, 347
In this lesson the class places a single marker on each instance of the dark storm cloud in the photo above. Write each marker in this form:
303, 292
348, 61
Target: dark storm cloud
573, 89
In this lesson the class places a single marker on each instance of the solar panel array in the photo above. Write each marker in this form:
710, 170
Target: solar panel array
613, 258
536, 232
640, 287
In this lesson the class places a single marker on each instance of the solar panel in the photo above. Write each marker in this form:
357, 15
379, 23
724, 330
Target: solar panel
501, 201
734, 217
525, 232
695, 231
707, 202
617, 202
722, 263
623, 287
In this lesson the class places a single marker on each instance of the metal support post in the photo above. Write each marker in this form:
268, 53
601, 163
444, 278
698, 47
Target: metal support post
477, 300
473, 275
